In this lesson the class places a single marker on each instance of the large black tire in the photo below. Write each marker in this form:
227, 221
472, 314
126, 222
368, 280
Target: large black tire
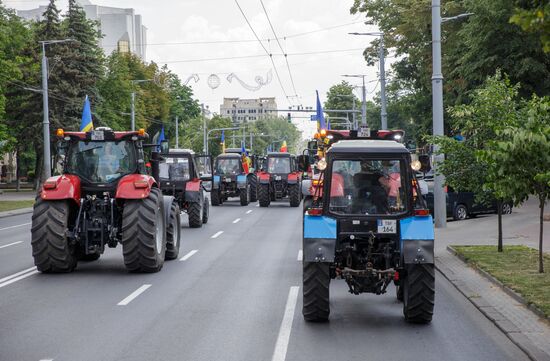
253, 188
263, 195
419, 293
173, 232
216, 197
244, 195
195, 215
144, 233
294, 195
205, 210
51, 249
460, 212
316, 282
399, 293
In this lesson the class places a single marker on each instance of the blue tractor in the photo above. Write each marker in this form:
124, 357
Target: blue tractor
369, 225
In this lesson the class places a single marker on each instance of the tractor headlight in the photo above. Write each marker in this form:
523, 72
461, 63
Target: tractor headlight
322, 164
416, 165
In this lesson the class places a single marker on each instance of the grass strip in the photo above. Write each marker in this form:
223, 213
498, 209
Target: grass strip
12, 205
517, 268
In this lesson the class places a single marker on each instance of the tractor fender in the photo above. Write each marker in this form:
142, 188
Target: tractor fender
193, 191
264, 178
292, 178
61, 187
216, 182
135, 186
417, 240
242, 181
319, 239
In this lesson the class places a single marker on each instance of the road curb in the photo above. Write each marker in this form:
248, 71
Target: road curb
15, 212
492, 314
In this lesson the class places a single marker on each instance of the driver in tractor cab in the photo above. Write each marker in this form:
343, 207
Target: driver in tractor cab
371, 196
391, 181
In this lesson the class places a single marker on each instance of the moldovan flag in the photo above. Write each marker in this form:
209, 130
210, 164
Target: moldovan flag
86, 124
319, 114
222, 142
284, 148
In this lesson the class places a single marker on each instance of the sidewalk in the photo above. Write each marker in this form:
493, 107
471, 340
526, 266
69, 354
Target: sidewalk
525, 328
17, 196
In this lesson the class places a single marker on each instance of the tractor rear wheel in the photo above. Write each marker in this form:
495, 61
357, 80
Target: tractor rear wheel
205, 210
294, 195
173, 232
316, 282
51, 248
419, 293
253, 188
195, 214
144, 233
263, 195
244, 195
216, 197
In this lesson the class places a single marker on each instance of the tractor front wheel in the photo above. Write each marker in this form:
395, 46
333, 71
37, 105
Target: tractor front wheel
195, 214
253, 188
51, 249
216, 197
144, 233
205, 210
316, 282
419, 293
263, 195
244, 195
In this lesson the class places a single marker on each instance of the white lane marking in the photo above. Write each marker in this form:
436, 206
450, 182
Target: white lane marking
10, 244
47, 359
133, 295
286, 326
19, 225
300, 255
257, 205
249, 211
188, 255
235, 221
17, 276
217, 234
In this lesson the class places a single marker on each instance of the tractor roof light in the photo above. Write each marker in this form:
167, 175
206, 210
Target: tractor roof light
141, 132
316, 136
323, 133
60, 133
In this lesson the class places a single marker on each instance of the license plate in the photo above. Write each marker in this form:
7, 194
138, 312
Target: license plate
277, 177
228, 179
98, 135
387, 226
363, 132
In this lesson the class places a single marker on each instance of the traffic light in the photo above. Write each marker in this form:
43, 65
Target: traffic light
289, 117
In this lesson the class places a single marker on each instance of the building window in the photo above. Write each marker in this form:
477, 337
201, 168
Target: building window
123, 46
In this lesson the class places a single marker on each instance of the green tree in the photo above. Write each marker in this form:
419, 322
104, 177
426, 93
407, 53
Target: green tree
493, 108
535, 19
520, 157
340, 96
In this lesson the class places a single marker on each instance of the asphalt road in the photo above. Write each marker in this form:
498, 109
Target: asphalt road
235, 295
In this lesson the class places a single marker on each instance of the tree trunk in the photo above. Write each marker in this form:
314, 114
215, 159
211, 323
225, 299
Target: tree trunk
38, 170
499, 211
542, 199
17, 173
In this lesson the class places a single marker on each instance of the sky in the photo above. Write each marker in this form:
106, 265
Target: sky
171, 21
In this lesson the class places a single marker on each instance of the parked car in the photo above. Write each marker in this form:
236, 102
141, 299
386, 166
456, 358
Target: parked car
461, 205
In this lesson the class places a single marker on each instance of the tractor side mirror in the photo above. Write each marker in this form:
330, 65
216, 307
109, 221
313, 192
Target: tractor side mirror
303, 163
312, 146
164, 147
425, 164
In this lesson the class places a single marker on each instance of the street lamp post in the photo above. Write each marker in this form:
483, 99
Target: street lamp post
133, 110
381, 55
46, 116
364, 105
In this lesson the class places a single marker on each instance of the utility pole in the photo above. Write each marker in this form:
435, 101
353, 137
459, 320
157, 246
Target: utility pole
364, 97
383, 112
440, 207
46, 109
204, 140
177, 133
132, 111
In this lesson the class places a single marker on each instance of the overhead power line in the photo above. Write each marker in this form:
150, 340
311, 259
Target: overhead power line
280, 47
266, 51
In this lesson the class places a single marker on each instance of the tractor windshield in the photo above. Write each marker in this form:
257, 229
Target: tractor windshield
101, 162
368, 187
228, 165
175, 169
278, 165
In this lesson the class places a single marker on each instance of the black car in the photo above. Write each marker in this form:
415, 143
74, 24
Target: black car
461, 205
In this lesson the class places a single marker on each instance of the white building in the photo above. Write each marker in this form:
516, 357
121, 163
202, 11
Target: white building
122, 29
248, 110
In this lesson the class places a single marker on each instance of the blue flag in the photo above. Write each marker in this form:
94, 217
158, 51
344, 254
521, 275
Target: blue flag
86, 124
320, 116
223, 141
161, 136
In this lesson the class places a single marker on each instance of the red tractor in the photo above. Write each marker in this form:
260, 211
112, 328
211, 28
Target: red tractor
104, 197
279, 178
